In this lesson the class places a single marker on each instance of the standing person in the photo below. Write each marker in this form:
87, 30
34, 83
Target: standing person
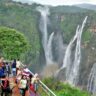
2, 75
30, 78
8, 69
35, 81
5, 87
1, 61
4, 68
31, 86
14, 67
18, 65
23, 85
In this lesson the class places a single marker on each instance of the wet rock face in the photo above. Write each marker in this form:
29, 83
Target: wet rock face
87, 60
58, 48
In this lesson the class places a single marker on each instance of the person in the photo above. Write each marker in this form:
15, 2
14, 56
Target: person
1, 61
25, 71
30, 78
5, 87
19, 75
7, 69
18, 65
31, 86
35, 81
12, 83
4, 68
2, 75
23, 85
14, 67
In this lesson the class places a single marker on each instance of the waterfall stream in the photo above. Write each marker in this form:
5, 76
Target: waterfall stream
74, 74
91, 87
72, 67
46, 42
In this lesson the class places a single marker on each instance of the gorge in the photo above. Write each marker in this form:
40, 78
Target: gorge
53, 38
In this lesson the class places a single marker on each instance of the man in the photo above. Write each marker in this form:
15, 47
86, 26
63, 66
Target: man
14, 67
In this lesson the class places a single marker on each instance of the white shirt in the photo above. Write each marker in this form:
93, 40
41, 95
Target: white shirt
18, 64
23, 83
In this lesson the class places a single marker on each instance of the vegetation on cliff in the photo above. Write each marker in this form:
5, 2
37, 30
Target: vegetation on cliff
62, 89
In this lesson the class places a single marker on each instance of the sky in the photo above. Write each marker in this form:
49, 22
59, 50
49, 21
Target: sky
58, 2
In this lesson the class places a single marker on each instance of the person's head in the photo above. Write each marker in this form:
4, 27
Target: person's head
36, 75
23, 77
3, 64
6, 63
1, 59
30, 76
14, 60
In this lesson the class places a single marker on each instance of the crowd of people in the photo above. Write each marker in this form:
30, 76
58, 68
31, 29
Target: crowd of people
22, 78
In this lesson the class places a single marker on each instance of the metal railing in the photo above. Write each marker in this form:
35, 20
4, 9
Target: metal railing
48, 91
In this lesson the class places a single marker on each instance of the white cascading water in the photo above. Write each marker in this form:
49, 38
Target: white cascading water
44, 11
66, 60
74, 74
67, 63
91, 86
49, 47
67, 57
72, 68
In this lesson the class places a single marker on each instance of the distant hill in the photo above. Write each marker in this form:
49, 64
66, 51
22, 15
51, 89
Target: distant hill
68, 9
86, 6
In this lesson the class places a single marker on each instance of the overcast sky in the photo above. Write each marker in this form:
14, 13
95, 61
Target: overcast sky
58, 2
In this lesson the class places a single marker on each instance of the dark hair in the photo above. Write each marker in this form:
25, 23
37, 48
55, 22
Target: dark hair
6, 63
23, 76
14, 60
4, 76
30, 76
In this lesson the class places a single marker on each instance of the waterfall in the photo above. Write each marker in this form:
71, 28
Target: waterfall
72, 67
74, 74
91, 86
67, 63
47, 46
67, 57
44, 11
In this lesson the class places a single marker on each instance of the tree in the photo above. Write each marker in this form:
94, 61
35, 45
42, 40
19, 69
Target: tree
12, 43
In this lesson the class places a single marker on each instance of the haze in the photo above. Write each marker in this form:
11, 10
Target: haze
57, 2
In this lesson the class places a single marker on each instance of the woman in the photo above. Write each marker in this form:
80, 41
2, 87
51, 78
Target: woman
35, 81
23, 85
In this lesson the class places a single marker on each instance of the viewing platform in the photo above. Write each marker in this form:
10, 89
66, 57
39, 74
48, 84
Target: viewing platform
14, 86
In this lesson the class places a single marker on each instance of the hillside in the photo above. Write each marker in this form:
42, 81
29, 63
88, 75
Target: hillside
86, 6
64, 89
